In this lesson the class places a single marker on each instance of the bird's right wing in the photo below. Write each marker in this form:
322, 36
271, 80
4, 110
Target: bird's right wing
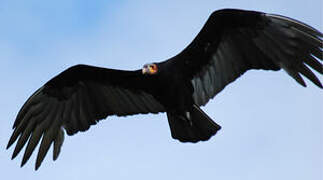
75, 99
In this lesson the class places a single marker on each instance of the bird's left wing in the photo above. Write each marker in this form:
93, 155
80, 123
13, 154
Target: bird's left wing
234, 41
76, 99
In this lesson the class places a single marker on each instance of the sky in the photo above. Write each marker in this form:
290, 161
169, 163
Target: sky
272, 128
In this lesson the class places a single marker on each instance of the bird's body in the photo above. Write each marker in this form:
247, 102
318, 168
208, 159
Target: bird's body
174, 92
230, 43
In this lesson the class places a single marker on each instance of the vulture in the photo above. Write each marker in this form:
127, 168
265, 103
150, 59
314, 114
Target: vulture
230, 43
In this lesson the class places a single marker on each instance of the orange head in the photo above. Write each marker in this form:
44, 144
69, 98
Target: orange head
150, 69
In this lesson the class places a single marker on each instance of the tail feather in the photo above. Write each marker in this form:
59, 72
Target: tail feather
199, 127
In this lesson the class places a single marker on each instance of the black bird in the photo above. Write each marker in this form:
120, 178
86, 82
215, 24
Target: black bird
230, 43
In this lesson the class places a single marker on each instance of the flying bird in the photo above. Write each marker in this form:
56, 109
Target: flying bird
230, 43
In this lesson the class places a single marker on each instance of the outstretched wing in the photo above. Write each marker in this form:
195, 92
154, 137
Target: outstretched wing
76, 99
234, 41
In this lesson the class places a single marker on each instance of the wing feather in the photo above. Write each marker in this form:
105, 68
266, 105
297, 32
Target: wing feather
58, 142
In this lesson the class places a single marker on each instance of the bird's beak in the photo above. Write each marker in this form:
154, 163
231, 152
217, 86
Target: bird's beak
145, 70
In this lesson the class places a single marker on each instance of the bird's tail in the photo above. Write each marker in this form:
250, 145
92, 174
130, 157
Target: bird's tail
196, 126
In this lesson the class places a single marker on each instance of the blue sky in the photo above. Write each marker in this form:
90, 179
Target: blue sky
272, 128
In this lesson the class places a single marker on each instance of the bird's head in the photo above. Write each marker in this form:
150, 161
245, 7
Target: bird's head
150, 69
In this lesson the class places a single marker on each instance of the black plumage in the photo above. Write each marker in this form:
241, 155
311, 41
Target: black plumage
230, 43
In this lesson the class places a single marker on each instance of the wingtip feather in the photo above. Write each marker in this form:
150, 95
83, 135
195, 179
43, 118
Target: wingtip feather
10, 142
